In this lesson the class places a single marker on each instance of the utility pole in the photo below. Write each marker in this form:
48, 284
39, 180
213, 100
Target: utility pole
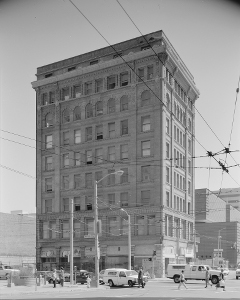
194, 246
71, 241
97, 254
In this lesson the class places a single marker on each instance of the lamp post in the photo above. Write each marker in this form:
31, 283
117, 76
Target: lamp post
219, 241
97, 250
129, 239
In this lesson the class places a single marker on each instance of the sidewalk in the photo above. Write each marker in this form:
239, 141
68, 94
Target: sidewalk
48, 288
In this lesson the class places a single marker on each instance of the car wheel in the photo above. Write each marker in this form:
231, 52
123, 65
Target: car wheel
6, 276
130, 283
110, 282
214, 280
176, 279
236, 277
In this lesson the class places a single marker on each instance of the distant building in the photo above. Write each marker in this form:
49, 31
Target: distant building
129, 109
230, 196
18, 239
218, 226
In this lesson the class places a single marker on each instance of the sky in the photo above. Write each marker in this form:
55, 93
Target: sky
205, 33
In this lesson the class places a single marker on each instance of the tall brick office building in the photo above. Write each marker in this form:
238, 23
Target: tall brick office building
129, 109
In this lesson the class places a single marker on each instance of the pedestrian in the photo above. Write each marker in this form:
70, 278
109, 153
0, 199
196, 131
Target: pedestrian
54, 277
61, 276
182, 280
207, 278
140, 278
221, 283
88, 281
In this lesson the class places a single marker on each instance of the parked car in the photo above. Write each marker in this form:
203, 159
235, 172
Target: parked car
81, 276
6, 270
225, 270
238, 272
101, 277
122, 277
191, 272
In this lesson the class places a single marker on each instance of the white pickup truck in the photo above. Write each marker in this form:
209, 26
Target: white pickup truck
121, 277
6, 270
191, 272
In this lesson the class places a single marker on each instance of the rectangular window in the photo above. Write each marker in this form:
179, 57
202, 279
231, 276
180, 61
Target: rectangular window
189, 188
51, 97
124, 226
89, 226
167, 175
76, 204
124, 199
184, 227
66, 160
145, 48
140, 74
93, 62
77, 159
88, 134
189, 146
167, 126
88, 88
99, 85
48, 206
77, 181
167, 150
145, 123
189, 167
77, 136
124, 176
111, 82
111, 178
89, 202
111, 130
113, 226
71, 69
44, 99
52, 230
111, 199
145, 197
177, 135
65, 93
48, 185
124, 127
140, 225
111, 153
48, 163
65, 230
168, 199
49, 141
88, 180
124, 151
99, 156
145, 173
124, 79
151, 225
149, 72
66, 138
89, 160
76, 91
65, 204
76, 229
99, 176
145, 147
66, 182
99, 132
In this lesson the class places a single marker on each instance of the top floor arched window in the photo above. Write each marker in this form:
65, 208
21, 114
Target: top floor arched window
65, 116
145, 98
48, 120
111, 106
89, 111
124, 103
76, 113
99, 108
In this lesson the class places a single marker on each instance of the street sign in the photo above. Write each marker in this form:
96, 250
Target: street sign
89, 236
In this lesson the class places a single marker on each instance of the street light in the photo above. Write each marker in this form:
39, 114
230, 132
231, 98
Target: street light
97, 250
219, 241
129, 239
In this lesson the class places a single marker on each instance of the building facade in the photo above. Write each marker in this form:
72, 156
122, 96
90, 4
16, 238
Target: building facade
127, 107
18, 229
218, 226
230, 196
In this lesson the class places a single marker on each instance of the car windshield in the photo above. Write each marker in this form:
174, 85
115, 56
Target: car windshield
129, 273
8, 267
